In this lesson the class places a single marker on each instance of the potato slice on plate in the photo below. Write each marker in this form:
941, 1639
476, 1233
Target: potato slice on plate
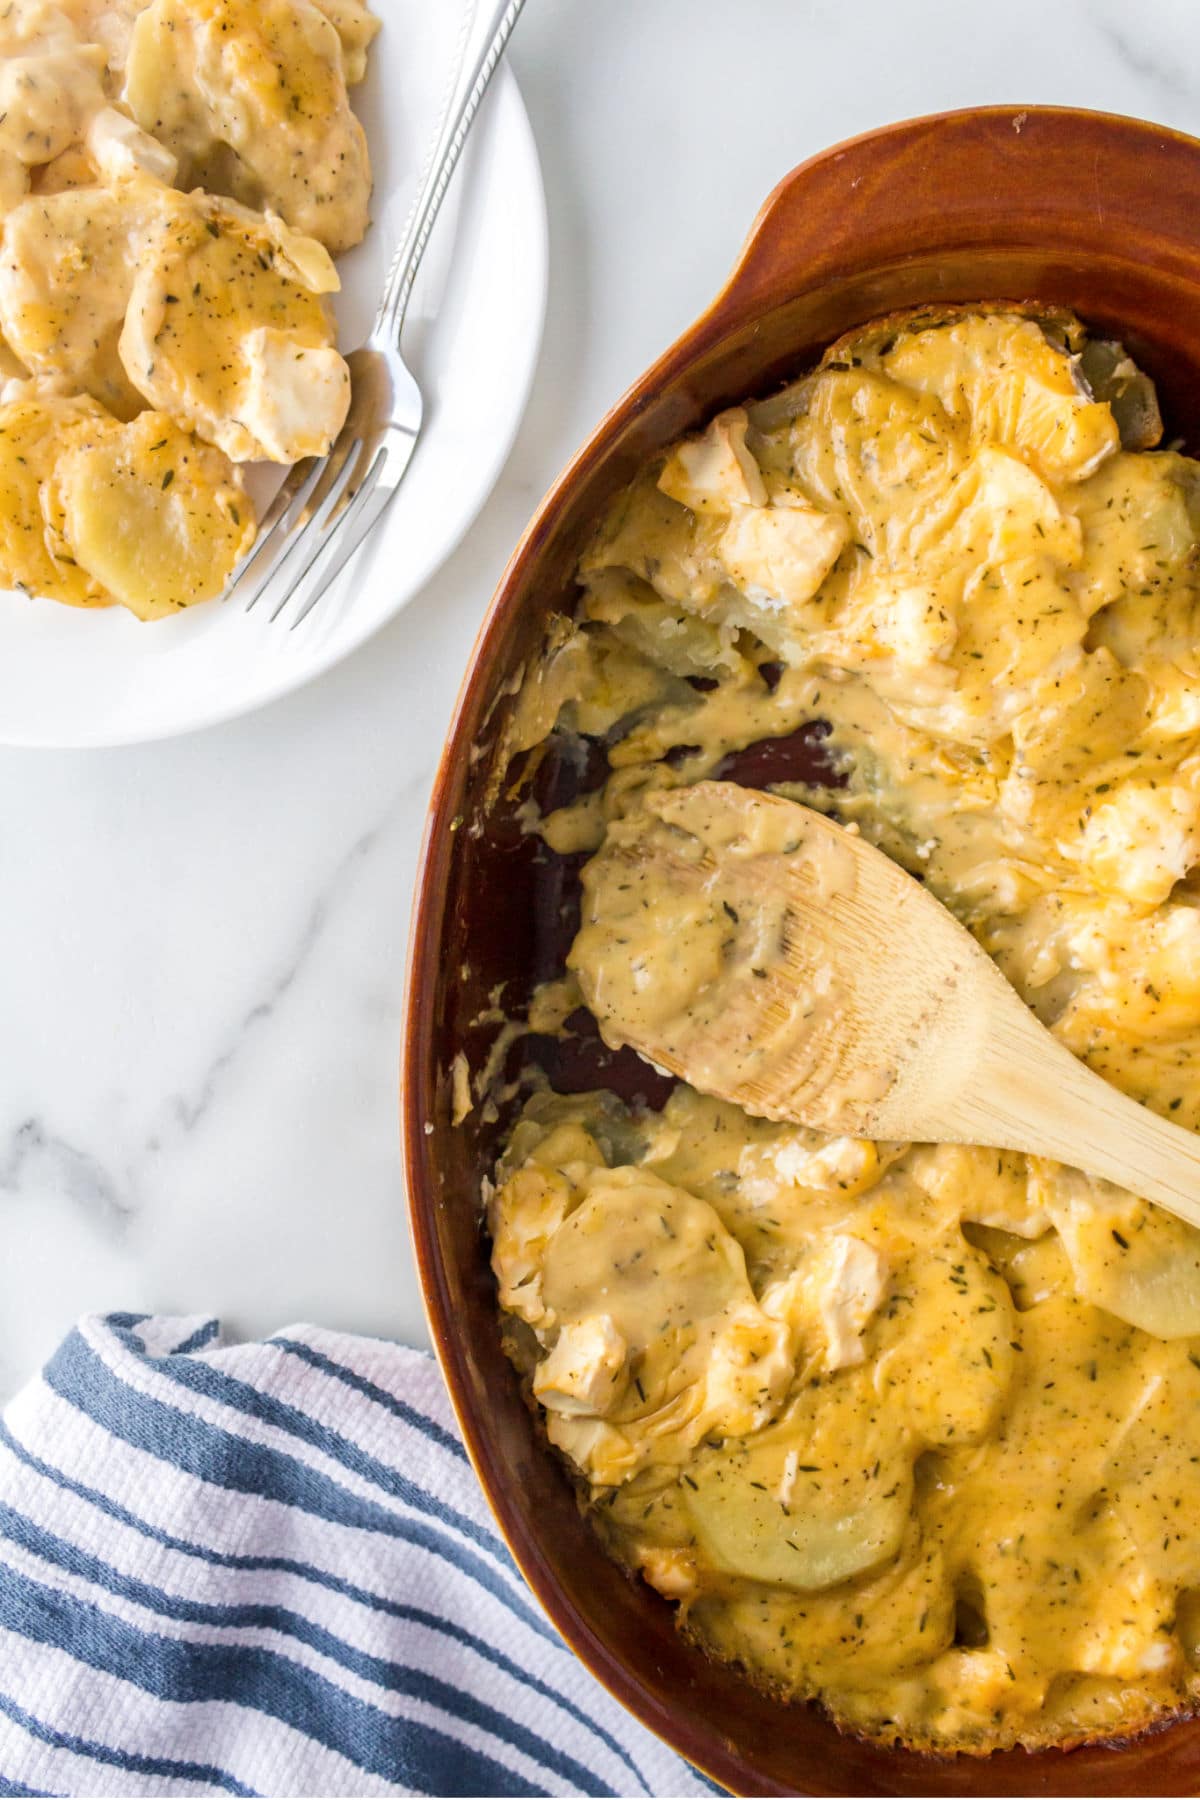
66, 271
157, 518
251, 97
33, 434
357, 28
228, 332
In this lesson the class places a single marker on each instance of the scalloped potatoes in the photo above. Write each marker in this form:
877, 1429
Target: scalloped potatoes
200, 320
151, 513
93, 510
250, 95
959, 1504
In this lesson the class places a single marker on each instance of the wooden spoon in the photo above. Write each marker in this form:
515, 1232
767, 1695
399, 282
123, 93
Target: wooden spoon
772, 958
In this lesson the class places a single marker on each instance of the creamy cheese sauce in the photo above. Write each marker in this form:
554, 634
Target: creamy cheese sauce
909, 1429
127, 292
733, 877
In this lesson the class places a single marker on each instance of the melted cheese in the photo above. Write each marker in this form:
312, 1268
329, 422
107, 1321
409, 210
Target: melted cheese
66, 273
96, 511
51, 87
156, 517
250, 95
34, 432
956, 1503
226, 318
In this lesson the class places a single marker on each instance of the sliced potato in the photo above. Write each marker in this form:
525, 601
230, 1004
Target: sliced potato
663, 543
817, 1499
873, 448
156, 518
1089, 714
947, 1334
778, 556
1138, 530
856, 1636
66, 272
988, 1187
1035, 1269
34, 434
1131, 1258
703, 1357
356, 27
228, 331
524, 1215
250, 95
1001, 376
667, 635
715, 472
50, 86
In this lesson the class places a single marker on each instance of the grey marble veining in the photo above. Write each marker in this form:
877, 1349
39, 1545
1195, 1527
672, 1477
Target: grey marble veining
1161, 48
34, 1157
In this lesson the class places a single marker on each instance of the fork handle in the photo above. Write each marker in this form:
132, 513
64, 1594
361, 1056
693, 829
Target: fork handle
457, 123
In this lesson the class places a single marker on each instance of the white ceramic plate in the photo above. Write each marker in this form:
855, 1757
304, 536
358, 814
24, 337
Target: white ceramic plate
71, 678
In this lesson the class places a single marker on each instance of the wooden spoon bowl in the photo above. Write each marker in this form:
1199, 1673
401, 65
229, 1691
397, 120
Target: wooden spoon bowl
1096, 213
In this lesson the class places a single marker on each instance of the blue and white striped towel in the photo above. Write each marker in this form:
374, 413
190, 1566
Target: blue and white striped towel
268, 1569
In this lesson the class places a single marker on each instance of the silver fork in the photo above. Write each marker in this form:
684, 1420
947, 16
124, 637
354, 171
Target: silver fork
328, 504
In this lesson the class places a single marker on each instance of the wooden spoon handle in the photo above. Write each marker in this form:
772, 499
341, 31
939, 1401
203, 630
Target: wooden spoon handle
1029, 1093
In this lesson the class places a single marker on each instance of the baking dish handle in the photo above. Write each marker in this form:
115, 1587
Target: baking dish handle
882, 199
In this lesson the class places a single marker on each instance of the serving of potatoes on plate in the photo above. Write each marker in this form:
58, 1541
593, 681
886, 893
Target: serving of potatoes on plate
174, 183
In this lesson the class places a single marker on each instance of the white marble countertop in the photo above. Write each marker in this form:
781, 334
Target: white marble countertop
201, 988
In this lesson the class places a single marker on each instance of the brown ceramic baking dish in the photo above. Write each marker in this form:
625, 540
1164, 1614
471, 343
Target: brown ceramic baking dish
1084, 210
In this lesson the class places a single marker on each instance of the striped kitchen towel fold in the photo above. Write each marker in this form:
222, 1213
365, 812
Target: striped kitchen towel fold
268, 1569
